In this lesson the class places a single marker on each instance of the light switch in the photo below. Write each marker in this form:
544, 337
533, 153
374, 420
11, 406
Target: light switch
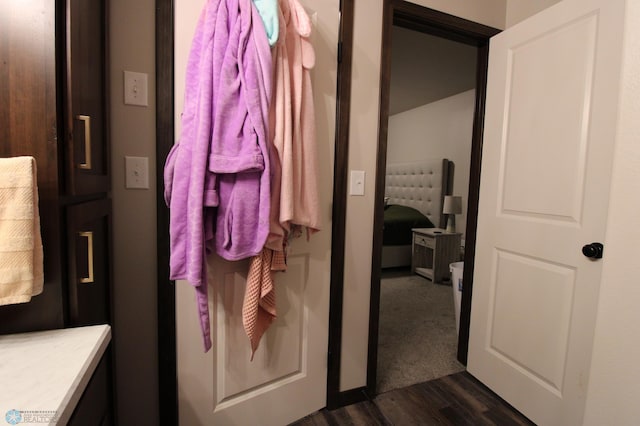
136, 91
357, 182
136, 172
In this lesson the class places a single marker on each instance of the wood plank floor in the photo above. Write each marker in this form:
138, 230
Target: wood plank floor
458, 399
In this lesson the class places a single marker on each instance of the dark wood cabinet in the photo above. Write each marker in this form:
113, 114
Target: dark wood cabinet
29, 118
85, 84
54, 107
88, 244
94, 407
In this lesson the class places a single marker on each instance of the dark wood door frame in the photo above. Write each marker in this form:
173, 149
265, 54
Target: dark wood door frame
336, 398
167, 372
418, 18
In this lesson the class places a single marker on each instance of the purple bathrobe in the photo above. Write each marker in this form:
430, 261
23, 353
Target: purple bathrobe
217, 176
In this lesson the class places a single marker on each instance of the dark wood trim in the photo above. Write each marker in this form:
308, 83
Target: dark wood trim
351, 396
418, 18
335, 398
378, 215
167, 374
70, 176
472, 206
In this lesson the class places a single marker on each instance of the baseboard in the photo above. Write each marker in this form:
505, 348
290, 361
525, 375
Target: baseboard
348, 397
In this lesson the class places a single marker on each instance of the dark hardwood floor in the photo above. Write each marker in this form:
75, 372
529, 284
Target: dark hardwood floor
458, 399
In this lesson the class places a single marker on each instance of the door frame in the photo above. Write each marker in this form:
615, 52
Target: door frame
165, 129
335, 397
422, 19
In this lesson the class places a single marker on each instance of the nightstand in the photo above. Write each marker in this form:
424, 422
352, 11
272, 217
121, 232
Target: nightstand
432, 250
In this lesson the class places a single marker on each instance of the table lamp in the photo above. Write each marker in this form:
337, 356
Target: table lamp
452, 207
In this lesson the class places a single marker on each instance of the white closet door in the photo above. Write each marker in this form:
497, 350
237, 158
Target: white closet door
288, 377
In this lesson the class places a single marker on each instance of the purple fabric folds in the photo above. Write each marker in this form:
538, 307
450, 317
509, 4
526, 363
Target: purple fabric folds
217, 176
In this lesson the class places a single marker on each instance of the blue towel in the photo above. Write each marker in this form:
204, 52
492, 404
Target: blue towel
268, 10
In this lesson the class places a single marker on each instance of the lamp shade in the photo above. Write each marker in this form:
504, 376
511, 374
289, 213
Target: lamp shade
452, 204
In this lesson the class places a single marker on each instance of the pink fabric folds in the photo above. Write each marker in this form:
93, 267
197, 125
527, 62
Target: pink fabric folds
259, 308
294, 201
294, 190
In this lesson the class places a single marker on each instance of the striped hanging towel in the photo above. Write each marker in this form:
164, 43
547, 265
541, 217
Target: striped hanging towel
21, 258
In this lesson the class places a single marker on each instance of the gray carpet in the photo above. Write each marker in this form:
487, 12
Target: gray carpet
417, 338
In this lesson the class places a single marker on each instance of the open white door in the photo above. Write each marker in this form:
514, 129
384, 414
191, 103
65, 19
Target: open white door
288, 376
550, 125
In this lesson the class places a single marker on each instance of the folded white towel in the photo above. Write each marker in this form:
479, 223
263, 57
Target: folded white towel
21, 262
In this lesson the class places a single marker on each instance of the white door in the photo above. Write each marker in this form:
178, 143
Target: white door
549, 131
288, 376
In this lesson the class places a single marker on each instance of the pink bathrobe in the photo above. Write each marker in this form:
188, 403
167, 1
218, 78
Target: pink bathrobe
217, 180
292, 128
294, 197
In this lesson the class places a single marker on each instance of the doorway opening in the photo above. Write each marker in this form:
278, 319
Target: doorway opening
431, 107
400, 298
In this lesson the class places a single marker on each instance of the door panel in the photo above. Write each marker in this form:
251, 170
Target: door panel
28, 127
554, 70
279, 357
89, 251
525, 340
549, 130
88, 156
287, 378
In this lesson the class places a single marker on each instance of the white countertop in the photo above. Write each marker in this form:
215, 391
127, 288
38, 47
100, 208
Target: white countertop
43, 374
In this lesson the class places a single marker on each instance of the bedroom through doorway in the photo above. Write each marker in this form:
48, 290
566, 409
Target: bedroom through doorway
431, 108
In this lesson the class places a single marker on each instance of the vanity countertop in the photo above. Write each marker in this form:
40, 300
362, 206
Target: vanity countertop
43, 374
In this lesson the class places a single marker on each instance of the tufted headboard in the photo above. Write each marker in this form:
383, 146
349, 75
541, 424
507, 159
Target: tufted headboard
420, 185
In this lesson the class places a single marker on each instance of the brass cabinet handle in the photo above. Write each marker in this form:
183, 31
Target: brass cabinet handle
87, 142
89, 236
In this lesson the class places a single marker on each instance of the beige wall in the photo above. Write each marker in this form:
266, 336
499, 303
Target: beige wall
132, 48
441, 129
518, 10
362, 156
614, 383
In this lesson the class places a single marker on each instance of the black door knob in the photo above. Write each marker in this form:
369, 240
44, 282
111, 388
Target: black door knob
593, 250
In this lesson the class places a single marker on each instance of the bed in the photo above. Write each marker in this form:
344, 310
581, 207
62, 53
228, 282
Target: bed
414, 193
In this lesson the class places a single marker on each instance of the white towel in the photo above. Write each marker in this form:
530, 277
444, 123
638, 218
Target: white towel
21, 262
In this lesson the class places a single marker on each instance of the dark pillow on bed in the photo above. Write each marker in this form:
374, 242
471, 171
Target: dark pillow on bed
395, 212
398, 222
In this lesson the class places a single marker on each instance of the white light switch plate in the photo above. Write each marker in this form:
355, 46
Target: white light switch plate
136, 172
357, 182
136, 91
